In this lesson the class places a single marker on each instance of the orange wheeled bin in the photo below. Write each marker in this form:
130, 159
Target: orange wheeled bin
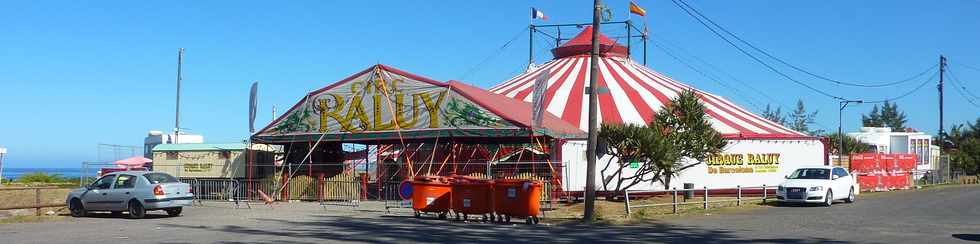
517, 198
472, 196
432, 194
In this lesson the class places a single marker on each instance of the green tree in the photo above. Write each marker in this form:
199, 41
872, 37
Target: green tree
964, 147
634, 148
800, 119
687, 128
774, 115
851, 145
654, 152
887, 116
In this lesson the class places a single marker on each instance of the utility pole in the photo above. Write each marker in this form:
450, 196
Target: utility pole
180, 60
530, 46
942, 133
840, 129
590, 151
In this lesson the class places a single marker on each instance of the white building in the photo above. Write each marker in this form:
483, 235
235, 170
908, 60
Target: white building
154, 138
884, 140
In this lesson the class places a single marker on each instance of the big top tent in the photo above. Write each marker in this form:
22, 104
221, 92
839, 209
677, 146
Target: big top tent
629, 92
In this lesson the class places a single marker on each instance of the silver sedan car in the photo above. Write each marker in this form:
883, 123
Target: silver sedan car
132, 191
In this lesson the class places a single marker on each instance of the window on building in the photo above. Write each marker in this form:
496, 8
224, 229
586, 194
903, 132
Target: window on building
172, 155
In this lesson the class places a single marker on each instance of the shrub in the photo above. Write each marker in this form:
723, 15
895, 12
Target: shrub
41, 177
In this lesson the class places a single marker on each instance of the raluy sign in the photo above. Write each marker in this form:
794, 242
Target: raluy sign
537, 102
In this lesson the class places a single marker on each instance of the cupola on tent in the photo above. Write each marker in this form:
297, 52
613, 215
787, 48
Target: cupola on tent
628, 92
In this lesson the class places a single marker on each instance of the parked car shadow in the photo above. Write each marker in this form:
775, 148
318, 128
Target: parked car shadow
402, 230
108, 215
967, 237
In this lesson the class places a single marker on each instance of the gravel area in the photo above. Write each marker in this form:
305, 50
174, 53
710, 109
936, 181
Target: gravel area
937, 215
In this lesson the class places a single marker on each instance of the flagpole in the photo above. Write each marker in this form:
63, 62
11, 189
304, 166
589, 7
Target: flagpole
530, 39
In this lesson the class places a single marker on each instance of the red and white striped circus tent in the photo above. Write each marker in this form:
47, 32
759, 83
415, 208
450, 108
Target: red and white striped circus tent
629, 92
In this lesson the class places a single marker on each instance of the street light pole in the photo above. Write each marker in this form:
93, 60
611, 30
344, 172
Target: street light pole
840, 128
3, 151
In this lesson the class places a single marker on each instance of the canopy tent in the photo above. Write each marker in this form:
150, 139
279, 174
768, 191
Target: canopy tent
384, 104
133, 162
628, 92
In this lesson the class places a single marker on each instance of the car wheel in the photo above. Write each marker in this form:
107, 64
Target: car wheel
829, 199
850, 197
136, 210
174, 212
76, 208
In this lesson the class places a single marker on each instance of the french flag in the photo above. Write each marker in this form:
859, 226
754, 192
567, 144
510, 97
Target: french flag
537, 14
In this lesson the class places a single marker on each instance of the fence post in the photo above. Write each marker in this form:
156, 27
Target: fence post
738, 197
628, 212
674, 202
37, 200
765, 193
705, 197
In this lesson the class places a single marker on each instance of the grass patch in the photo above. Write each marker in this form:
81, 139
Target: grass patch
29, 219
614, 212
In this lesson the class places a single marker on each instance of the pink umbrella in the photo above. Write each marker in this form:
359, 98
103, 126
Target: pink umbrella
134, 162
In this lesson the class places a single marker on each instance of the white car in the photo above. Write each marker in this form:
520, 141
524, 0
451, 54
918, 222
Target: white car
133, 191
818, 184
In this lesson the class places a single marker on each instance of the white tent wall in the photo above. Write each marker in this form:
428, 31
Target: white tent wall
742, 163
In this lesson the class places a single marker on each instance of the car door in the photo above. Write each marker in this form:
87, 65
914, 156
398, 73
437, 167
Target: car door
121, 192
95, 197
847, 181
840, 183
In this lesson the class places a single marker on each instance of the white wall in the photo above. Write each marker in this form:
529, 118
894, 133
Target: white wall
793, 154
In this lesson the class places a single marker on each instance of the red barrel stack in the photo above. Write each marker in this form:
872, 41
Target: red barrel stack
883, 172
494, 200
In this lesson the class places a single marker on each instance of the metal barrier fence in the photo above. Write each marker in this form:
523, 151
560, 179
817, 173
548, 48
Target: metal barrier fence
211, 182
325, 191
705, 202
390, 194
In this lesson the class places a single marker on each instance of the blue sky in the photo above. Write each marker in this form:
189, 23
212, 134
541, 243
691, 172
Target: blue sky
77, 73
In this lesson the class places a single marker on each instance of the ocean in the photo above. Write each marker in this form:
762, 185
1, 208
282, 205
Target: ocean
13, 173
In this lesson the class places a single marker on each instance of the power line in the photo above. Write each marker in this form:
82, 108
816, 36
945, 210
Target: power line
784, 75
923, 84
969, 67
496, 53
963, 91
711, 66
960, 84
710, 77
797, 68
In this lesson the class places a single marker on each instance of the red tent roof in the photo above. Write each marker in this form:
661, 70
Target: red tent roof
629, 92
515, 111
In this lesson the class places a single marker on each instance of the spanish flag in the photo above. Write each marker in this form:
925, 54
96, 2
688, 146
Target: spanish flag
637, 10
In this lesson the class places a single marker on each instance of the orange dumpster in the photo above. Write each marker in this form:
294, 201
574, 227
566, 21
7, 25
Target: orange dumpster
431, 194
517, 198
472, 196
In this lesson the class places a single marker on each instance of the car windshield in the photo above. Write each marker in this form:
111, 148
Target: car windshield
157, 178
817, 174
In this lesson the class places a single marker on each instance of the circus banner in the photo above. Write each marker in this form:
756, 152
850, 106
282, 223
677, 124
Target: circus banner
379, 100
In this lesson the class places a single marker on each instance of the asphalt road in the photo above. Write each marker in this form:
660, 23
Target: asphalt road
948, 215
